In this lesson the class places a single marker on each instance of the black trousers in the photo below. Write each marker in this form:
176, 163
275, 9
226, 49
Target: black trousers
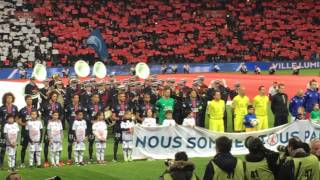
280, 119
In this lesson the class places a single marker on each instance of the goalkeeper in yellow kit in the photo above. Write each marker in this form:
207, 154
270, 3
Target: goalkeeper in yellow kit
239, 107
260, 104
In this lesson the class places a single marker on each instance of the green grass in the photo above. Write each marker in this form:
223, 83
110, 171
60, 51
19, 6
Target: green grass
142, 170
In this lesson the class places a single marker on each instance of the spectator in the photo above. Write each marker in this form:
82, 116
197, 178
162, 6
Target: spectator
300, 164
260, 162
179, 169
279, 106
296, 102
311, 97
224, 165
315, 114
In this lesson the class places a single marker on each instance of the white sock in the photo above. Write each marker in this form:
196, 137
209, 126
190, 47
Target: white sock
102, 154
52, 158
80, 156
38, 157
76, 156
58, 157
129, 153
125, 155
98, 154
9, 161
31, 153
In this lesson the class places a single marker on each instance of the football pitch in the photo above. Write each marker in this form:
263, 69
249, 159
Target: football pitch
136, 170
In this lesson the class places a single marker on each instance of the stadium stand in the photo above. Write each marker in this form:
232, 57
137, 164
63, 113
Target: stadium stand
180, 31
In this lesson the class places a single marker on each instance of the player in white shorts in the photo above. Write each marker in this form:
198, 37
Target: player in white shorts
79, 128
34, 132
149, 121
100, 132
11, 130
126, 126
55, 135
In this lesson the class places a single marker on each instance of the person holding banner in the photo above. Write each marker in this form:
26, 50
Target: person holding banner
224, 165
239, 106
215, 113
260, 104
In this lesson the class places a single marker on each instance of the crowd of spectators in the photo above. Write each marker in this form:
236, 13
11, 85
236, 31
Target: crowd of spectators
176, 31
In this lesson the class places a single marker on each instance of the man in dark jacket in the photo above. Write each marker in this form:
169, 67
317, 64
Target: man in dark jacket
279, 106
224, 165
180, 168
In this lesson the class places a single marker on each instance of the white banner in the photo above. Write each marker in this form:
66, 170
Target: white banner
164, 142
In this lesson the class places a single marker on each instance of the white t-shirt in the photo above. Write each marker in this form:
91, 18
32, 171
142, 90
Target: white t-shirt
149, 122
12, 132
189, 122
169, 122
127, 135
55, 128
79, 128
34, 130
100, 129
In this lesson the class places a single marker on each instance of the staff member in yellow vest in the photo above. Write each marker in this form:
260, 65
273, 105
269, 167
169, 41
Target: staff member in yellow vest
215, 112
260, 163
224, 166
301, 165
315, 147
239, 107
260, 104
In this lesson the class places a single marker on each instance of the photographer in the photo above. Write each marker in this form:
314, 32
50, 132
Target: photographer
301, 164
179, 169
260, 162
224, 165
